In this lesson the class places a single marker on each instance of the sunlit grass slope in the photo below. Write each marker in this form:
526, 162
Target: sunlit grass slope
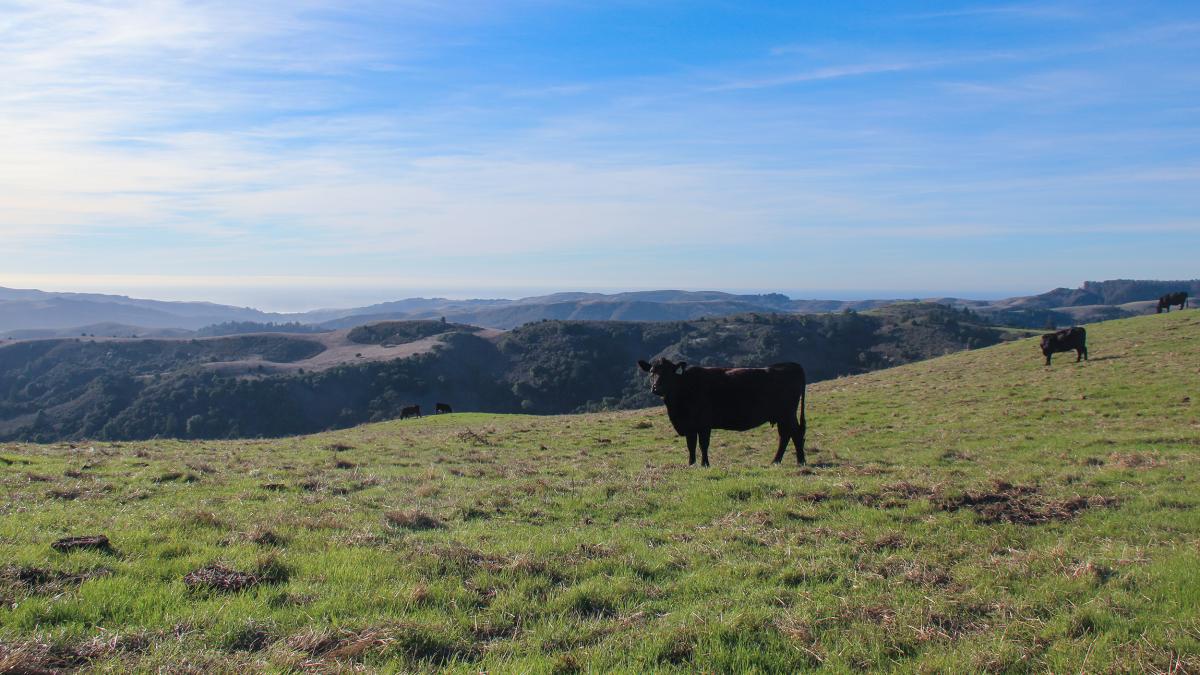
977, 512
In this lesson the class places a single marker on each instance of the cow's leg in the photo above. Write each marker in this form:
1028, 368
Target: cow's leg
798, 439
1047, 359
1085, 358
691, 441
785, 433
705, 435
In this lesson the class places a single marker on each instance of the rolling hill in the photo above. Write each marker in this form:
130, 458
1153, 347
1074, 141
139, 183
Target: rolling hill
31, 313
275, 384
975, 512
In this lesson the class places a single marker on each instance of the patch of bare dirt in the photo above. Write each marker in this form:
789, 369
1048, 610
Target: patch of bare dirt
1019, 504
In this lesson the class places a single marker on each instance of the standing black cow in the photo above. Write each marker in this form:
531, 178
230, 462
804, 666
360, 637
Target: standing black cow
1165, 302
410, 411
1066, 340
702, 399
440, 408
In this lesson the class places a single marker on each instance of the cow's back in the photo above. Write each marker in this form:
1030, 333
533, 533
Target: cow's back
743, 398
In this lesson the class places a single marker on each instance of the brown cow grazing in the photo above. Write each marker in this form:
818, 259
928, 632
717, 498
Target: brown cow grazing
440, 408
1066, 340
410, 411
1165, 302
702, 399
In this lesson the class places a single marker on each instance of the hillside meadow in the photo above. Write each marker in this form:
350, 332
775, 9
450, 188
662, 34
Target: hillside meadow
975, 512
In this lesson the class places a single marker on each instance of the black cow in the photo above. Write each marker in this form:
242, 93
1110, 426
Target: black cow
1066, 340
1165, 302
439, 408
702, 399
410, 411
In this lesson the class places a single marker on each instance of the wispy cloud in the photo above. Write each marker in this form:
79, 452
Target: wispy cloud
402, 141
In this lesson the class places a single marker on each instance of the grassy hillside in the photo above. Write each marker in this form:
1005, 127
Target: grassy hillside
976, 512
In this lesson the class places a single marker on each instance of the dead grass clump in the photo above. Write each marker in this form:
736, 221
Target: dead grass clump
251, 636
412, 519
877, 614
643, 425
1136, 460
813, 497
891, 540
39, 657
265, 536
204, 519
65, 494
344, 464
800, 633
339, 447
222, 578
218, 577
958, 621
274, 487
42, 581
427, 490
1099, 574
98, 542
172, 476
313, 485
108, 644
470, 436
1019, 504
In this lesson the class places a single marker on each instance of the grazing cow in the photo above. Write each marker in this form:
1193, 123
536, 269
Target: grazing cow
410, 411
439, 408
702, 399
1165, 302
1066, 340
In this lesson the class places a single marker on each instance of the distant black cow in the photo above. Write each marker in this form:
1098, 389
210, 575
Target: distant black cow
702, 399
1065, 340
439, 408
1169, 299
410, 411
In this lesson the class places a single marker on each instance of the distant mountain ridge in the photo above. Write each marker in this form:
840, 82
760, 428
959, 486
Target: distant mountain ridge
27, 313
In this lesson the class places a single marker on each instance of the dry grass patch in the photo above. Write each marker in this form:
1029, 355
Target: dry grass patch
1019, 504
412, 519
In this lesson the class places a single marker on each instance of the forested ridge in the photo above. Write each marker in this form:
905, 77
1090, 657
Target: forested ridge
80, 388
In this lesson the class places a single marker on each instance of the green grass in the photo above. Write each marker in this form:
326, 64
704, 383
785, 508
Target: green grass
977, 512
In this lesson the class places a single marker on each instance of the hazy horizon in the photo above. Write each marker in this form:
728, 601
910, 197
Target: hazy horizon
290, 300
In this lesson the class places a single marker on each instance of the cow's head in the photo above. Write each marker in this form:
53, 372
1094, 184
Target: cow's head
664, 375
1047, 343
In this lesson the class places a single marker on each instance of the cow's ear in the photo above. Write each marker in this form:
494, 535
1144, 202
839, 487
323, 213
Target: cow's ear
682, 366
645, 366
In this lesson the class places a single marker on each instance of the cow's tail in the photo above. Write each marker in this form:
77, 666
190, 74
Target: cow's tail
803, 388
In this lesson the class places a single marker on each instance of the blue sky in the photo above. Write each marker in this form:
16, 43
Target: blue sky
293, 154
